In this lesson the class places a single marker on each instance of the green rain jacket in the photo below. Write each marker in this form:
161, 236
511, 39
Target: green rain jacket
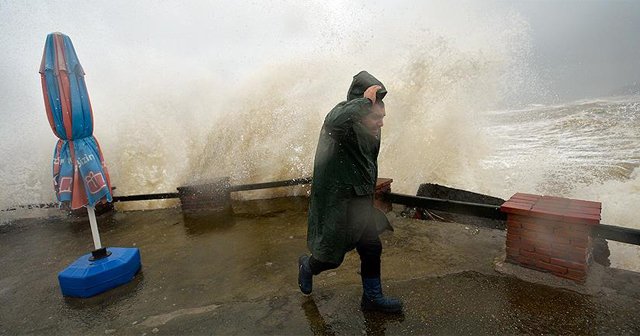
344, 176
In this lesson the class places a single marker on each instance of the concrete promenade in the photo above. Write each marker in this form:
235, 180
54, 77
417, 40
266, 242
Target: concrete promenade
237, 276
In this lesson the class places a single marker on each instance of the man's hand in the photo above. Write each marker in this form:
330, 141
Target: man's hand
371, 92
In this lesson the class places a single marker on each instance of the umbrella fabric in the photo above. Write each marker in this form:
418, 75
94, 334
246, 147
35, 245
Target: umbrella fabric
80, 175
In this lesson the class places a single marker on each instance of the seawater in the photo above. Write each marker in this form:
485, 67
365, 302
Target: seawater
585, 150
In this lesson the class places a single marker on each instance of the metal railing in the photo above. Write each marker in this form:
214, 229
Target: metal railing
604, 231
609, 232
459, 207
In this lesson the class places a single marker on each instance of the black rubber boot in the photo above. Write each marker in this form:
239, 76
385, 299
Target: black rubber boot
373, 299
305, 277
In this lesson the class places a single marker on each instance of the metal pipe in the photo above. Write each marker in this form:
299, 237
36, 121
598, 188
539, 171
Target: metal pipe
459, 207
286, 183
617, 233
94, 227
144, 197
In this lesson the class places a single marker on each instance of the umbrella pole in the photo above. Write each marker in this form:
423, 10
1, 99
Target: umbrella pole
94, 227
100, 252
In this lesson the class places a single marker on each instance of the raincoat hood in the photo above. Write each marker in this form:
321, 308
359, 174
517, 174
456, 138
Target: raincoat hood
361, 82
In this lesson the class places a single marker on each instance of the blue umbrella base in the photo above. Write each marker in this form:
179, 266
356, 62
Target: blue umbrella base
86, 277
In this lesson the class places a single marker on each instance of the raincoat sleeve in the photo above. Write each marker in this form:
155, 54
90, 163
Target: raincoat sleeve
340, 121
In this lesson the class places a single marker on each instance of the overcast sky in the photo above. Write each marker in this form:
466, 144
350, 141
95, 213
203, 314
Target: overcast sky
584, 48
580, 49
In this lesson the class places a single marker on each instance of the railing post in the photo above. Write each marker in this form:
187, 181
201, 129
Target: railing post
383, 185
214, 196
551, 234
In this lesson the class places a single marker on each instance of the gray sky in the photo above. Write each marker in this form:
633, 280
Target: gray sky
584, 49
580, 49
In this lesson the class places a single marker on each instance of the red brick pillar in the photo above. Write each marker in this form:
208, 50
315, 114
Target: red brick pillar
383, 185
551, 234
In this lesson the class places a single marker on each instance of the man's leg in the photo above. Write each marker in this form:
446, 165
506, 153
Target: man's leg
318, 266
370, 249
308, 266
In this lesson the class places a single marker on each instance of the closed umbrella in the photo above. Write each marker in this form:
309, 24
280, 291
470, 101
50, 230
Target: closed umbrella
80, 175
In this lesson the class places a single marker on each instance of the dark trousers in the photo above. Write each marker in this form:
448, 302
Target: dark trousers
369, 248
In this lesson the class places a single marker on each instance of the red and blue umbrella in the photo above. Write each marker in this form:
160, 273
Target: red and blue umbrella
80, 175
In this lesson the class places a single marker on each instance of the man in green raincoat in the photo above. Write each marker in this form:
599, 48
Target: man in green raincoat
341, 212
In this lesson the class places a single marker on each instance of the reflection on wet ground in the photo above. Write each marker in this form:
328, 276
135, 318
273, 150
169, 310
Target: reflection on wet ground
374, 322
316, 322
236, 274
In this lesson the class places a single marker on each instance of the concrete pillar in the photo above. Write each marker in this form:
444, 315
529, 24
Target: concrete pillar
551, 234
383, 185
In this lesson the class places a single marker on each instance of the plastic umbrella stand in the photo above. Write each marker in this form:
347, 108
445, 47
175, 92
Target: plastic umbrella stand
100, 270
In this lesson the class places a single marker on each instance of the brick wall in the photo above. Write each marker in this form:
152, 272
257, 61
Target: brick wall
551, 234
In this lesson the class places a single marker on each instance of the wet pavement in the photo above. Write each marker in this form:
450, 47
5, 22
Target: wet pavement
237, 275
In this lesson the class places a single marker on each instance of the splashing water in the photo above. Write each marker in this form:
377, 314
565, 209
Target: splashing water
219, 98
